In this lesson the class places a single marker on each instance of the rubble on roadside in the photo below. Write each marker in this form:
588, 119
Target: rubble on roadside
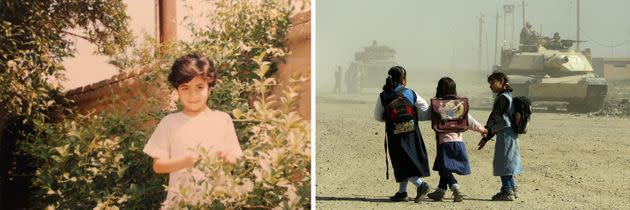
614, 108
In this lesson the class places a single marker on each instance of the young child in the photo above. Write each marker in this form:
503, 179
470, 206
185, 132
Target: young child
507, 159
407, 150
451, 154
177, 135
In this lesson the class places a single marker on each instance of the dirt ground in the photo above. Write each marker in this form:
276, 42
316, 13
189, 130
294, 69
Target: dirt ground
571, 161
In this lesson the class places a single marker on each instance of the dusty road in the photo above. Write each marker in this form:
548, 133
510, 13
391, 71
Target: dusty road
571, 161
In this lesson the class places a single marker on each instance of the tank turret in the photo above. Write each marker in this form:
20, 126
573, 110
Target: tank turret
547, 69
371, 65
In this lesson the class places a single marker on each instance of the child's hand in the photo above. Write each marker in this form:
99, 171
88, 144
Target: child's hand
481, 144
484, 132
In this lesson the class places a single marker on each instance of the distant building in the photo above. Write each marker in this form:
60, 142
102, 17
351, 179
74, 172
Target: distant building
612, 68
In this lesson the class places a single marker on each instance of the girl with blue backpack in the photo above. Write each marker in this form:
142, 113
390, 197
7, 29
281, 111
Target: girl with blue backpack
401, 108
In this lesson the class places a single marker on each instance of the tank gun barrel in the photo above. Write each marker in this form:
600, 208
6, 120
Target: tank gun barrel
567, 43
575, 40
556, 61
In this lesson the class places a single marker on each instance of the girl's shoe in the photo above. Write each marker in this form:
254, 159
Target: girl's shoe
458, 196
399, 197
515, 191
437, 195
504, 195
422, 190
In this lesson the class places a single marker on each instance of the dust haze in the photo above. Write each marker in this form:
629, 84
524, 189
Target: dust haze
443, 36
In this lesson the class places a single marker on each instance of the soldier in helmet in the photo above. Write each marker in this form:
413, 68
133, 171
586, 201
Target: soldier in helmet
555, 42
556, 37
528, 35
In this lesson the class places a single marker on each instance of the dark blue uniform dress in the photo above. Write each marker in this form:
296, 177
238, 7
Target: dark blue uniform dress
407, 150
451, 157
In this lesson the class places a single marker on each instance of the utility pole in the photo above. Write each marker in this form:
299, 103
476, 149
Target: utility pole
523, 5
487, 51
504, 26
508, 9
496, 37
577, 46
513, 23
481, 21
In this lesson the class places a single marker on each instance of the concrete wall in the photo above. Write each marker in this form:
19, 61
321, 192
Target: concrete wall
612, 68
299, 61
127, 91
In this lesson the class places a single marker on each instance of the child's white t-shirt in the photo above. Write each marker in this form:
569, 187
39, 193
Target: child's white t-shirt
178, 135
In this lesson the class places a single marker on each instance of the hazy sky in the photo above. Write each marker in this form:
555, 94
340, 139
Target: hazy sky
443, 35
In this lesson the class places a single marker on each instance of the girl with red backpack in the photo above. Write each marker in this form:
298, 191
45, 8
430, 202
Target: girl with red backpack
451, 154
401, 108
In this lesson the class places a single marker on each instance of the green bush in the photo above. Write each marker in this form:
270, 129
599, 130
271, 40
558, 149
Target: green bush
35, 37
95, 160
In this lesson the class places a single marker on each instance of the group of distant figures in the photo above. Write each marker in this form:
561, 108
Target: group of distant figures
529, 38
352, 79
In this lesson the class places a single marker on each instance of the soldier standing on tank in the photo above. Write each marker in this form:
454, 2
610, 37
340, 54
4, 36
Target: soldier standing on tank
528, 35
338, 80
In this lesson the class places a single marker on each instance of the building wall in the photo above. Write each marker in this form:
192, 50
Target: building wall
128, 92
298, 63
123, 92
613, 68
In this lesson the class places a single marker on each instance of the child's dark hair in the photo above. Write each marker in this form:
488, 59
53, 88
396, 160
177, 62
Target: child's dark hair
396, 76
502, 77
189, 66
446, 86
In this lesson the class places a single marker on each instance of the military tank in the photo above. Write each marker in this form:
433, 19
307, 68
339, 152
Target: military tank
370, 66
548, 70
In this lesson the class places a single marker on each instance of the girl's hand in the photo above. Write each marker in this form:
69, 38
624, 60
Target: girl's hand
484, 132
481, 144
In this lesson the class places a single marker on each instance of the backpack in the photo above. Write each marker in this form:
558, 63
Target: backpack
449, 114
522, 114
399, 112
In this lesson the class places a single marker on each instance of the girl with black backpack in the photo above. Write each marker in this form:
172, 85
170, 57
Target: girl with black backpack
507, 158
401, 108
